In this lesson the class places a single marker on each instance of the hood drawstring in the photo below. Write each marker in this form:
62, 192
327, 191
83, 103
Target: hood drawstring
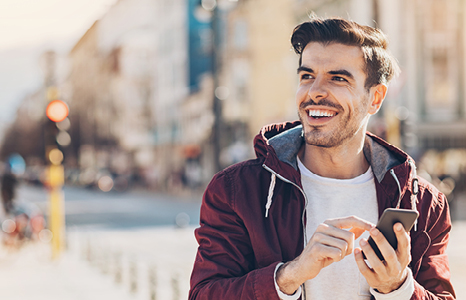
270, 195
399, 188
415, 190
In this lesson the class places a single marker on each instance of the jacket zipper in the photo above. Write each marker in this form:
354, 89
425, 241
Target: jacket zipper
303, 294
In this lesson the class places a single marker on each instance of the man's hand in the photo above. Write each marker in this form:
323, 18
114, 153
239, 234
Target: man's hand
329, 243
385, 276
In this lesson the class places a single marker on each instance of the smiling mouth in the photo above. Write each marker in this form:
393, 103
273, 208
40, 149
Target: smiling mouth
321, 113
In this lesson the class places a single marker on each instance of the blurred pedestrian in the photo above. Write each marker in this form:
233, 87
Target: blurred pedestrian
277, 226
20, 220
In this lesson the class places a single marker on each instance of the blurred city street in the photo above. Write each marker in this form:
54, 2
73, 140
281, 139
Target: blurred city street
131, 105
91, 209
136, 258
119, 246
123, 265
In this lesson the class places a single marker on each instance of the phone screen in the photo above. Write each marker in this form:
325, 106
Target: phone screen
390, 217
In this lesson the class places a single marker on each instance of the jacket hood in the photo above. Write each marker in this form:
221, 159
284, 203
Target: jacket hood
284, 140
279, 144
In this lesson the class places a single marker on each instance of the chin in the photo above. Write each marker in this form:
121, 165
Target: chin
321, 141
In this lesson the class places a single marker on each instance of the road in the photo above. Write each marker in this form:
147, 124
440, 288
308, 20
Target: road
115, 211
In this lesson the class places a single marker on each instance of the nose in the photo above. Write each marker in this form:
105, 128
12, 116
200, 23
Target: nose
318, 89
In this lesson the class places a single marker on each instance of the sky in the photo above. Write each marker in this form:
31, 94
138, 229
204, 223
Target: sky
30, 27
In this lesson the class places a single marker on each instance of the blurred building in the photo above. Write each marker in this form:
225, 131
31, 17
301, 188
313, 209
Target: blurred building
128, 78
259, 68
143, 81
160, 63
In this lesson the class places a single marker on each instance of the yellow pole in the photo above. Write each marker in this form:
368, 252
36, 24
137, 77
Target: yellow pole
57, 221
56, 178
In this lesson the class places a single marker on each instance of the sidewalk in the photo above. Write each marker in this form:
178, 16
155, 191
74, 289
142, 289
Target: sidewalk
30, 274
128, 265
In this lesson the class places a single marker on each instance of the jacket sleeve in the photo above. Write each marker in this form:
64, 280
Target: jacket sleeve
224, 265
433, 278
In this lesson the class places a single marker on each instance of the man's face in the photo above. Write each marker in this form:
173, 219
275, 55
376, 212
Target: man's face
333, 104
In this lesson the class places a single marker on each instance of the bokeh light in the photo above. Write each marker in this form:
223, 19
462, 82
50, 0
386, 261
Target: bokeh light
105, 183
55, 156
45, 236
57, 111
9, 226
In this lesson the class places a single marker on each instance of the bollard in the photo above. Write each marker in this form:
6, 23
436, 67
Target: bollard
152, 283
84, 249
66, 242
133, 277
118, 268
105, 262
175, 287
89, 253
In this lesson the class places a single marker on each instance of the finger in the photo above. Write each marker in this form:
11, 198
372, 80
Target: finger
384, 246
404, 244
328, 253
376, 264
341, 234
362, 266
350, 222
357, 231
330, 241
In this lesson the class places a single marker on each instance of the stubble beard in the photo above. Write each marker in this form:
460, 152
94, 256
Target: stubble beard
318, 136
346, 128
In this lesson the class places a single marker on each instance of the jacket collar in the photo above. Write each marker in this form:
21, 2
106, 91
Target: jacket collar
281, 145
283, 141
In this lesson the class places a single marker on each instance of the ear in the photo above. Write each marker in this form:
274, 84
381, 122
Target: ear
377, 95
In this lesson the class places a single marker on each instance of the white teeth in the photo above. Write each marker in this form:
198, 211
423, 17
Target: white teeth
321, 113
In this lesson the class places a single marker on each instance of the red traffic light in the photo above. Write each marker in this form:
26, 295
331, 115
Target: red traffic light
57, 111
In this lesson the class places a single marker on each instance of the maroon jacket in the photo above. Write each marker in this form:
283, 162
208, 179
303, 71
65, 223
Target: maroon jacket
239, 247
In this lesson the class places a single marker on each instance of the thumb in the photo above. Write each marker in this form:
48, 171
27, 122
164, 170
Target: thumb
357, 231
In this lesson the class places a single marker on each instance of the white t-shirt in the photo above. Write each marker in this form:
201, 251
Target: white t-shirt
330, 198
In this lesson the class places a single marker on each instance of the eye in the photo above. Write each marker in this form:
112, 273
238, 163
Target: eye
338, 78
306, 76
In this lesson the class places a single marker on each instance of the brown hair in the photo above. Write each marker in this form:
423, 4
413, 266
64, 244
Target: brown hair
380, 65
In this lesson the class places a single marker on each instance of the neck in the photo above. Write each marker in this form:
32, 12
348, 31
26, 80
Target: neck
343, 162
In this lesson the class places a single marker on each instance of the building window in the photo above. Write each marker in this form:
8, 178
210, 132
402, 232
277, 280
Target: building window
440, 90
440, 28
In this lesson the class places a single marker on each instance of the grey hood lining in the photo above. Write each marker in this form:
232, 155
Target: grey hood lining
288, 143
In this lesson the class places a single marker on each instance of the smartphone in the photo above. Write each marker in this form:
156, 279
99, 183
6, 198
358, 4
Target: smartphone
390, 217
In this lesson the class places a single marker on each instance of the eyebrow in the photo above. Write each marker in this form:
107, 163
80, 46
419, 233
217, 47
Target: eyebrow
305, 69
335, 72
342, 72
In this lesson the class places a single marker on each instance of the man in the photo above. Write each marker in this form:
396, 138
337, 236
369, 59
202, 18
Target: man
287, 224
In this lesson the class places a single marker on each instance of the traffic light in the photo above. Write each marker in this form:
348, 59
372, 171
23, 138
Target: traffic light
57, 111
58, 124
63, 137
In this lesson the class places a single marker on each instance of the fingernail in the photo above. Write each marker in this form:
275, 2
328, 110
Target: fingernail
357, 251
374, 232
398, 227
363, 242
